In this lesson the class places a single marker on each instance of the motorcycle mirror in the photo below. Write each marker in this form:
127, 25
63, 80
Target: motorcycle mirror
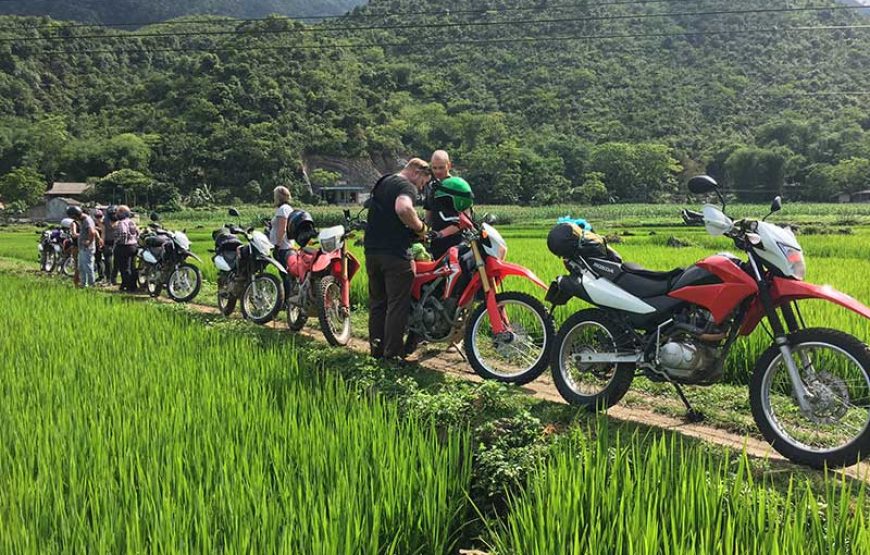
490, 219
775, 206
234, 213
701, 184
155, 217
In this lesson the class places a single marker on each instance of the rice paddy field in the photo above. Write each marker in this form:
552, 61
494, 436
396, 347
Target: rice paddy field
128, 426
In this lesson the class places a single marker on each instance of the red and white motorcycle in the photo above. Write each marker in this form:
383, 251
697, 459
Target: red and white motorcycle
810, 390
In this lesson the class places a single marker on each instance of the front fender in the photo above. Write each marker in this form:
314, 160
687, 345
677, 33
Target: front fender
784, 291
324, 260
274, 263
188, 253
499, 269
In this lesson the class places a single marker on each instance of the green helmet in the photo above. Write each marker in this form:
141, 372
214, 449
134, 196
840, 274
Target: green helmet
458, 190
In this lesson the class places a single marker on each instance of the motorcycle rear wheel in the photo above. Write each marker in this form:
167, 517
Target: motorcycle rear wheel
835, 369
262, 299
594, 386
334, 319
297, 314
519, 359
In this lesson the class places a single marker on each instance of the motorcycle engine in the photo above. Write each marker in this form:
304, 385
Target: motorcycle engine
693, 358
432, 318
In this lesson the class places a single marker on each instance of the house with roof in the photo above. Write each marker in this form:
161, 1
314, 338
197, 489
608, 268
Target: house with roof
858, 196
61, 196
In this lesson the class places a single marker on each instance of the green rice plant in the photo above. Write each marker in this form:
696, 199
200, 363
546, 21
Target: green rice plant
130, 427
608, 493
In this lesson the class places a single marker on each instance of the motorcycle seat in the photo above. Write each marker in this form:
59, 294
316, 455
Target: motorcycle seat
156, 240
426, 266
644, 283
227, 243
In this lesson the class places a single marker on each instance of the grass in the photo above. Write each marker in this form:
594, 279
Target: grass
129, 428
607, 493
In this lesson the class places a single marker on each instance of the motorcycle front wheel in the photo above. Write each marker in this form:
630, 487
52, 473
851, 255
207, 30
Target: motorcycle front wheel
834, 430
262, 299
48, 261
334, 319
521, 353
184, 283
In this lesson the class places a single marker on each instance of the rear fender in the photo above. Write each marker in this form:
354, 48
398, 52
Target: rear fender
784, 291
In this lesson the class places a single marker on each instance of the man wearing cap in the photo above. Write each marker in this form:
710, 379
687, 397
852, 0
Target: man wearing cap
392, 225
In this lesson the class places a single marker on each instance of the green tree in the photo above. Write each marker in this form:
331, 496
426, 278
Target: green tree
756, 174
127, 186
23, 185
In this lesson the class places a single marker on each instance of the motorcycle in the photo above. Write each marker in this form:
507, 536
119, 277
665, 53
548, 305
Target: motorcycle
162, 263
810, 390
506, 335
50, 248
319, 281
241, 273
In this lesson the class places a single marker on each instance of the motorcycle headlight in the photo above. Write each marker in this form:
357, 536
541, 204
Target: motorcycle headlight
329, 244
795, 258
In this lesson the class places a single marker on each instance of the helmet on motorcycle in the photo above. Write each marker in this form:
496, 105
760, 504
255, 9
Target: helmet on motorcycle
74, 212
458, 190
299, 221
66, 223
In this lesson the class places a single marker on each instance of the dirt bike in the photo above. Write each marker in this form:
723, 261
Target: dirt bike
162, 263
506, 335
810, 390
50, 248
241, 273
320, 281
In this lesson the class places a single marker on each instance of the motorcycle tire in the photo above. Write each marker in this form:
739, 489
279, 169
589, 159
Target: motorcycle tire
327, 307
615, 388
761, 401
262, 317
47, 262
68, 266
197, 283
540, 363
296, 315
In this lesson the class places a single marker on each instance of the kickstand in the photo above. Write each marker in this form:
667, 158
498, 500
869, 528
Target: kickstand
455, 347
692, 415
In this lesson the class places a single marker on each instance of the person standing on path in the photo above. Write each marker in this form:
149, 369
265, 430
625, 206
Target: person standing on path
126, 235
278, 231
392, 224
87, 245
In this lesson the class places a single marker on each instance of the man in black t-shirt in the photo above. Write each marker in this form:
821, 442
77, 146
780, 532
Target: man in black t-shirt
392, 224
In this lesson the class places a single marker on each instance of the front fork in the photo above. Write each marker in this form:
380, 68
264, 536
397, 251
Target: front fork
780, 337
496, 318
345, 282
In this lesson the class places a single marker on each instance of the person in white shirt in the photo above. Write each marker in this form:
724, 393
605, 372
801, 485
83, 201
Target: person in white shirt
278, 232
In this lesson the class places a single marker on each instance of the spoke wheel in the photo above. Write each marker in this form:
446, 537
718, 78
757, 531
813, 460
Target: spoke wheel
334, 318
520, 354
598, 385
297, 312
262, 299
184, 283
835, 429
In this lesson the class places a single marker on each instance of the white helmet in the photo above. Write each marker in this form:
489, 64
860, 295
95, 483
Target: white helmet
66, 223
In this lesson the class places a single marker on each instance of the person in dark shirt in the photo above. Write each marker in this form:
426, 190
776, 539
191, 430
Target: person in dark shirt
392, 225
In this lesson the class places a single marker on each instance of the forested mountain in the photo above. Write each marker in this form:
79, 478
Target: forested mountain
537, 101
134, 12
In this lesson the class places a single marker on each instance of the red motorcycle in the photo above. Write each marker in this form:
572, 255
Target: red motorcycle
506, 336
320, 281
810, 392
